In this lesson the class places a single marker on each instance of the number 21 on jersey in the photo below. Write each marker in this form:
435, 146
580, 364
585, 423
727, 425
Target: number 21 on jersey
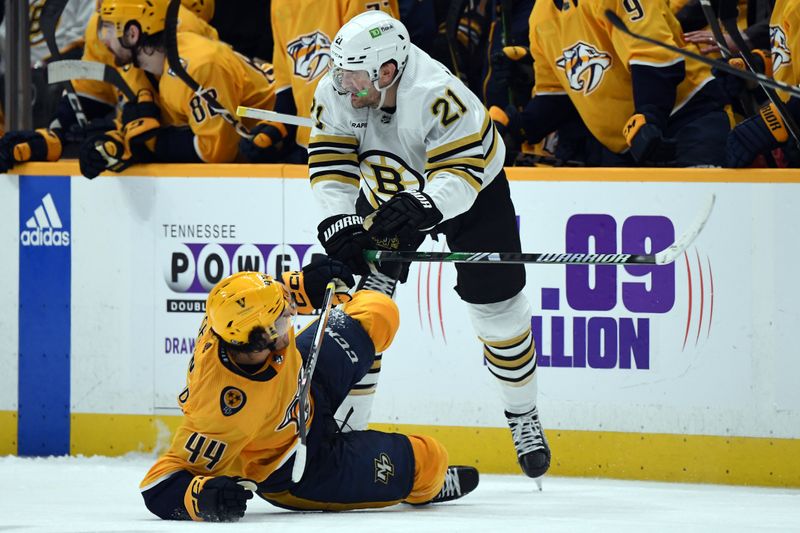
448, 108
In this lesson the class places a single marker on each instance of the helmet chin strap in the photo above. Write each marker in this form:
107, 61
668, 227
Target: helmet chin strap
384, 90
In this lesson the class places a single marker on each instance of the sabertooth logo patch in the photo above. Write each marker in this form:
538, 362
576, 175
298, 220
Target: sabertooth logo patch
310, 54
781, 56
383, 468
232, 400
584, 66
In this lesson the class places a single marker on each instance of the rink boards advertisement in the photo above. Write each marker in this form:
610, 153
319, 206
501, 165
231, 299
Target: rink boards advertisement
702, 346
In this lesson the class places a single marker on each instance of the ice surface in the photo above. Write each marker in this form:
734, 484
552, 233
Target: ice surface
100, 494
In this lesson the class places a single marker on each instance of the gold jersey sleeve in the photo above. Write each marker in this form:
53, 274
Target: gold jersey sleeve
227, 75
784, 33
234, 423
577, 52
302, 31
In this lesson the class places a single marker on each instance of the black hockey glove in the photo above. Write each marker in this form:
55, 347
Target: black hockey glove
755, 135
21, 146
647, 142
404, 216
220, 499
102, 152
267, 144
308, 285
344, 239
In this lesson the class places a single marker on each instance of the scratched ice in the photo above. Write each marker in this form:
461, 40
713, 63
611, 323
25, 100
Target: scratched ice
98, 494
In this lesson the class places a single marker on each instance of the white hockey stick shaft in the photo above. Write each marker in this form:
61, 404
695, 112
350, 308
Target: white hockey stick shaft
672, 252
305, 382
266, 114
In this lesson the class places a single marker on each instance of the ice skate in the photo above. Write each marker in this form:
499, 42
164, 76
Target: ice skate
458, 481
533, 452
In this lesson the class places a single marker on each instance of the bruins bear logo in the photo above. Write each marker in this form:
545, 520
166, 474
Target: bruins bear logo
310, 54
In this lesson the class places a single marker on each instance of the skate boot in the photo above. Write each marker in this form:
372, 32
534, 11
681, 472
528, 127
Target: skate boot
458, 481
533, 452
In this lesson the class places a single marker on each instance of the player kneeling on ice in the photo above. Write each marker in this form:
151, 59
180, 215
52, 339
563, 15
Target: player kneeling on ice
401, 144
241, 408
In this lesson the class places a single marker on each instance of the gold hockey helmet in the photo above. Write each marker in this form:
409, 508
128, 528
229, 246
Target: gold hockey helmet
244, 301
150, 14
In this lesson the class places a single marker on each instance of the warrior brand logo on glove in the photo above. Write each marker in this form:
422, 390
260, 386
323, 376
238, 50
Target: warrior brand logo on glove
352, 220
423, 199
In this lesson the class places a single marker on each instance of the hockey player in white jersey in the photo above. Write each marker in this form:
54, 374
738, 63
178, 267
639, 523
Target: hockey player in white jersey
400, 141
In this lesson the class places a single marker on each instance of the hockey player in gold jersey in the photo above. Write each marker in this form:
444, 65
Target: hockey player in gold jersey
135, 28
302, 31
240, 427
768, 130
98, 100
400, 142
646, 105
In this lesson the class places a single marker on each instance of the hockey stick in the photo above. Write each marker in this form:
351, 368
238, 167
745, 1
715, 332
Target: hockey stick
266, 114
73, 69
711, 18
720, 65
729, 12
176, 66
305, 383
48, 20
664, 257
746, 100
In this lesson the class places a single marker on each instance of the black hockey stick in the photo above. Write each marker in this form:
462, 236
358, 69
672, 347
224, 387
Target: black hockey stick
719, 37
74, 69
48, 20
729, 12
666, 256
720, 65
305, 382
176, 66
746, 100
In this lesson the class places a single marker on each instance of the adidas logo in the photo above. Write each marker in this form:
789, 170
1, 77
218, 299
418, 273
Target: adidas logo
44, 227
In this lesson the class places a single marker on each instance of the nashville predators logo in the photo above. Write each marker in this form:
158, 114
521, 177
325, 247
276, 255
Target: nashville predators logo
232, 400
383, 468
310, 54
292, 414
584, 66
781, 56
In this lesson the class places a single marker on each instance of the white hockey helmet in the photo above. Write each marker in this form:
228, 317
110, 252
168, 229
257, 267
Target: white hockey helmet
369, 40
